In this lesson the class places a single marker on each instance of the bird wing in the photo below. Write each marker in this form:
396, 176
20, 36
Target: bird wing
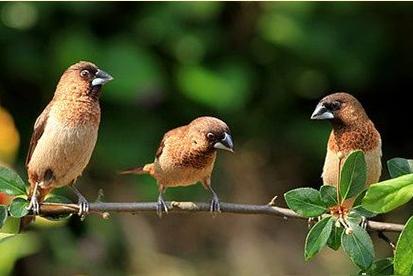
39, 126
176, 133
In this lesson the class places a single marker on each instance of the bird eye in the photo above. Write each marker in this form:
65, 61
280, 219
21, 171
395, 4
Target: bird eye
210, 136
84, 73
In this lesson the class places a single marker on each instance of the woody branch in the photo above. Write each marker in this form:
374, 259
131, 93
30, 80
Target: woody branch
194, 207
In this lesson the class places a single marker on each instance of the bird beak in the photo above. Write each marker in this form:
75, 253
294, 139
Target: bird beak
322, 113
225, 144
101, 77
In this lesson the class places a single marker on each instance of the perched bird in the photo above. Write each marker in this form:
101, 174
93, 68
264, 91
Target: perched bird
352, 130
186, 156
65, 134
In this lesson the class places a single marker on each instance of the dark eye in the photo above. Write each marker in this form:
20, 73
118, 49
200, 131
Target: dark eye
210, 136
333, 106
84, 73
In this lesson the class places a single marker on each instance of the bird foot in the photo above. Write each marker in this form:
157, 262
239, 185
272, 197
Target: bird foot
215, 206
363, 223
34, 206
161, 207
83, 208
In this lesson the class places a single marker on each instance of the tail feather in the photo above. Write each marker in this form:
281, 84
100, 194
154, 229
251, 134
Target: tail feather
147, 169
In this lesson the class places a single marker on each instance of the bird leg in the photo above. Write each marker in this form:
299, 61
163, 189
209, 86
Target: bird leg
82, 202
215, 206
161, 206
34, 203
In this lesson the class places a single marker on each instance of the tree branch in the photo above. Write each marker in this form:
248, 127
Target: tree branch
186, 207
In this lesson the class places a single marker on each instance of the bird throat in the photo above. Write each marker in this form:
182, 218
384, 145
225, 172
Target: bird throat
95, 92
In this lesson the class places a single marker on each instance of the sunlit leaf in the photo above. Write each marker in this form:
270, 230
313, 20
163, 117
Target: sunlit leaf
317, 237
353, 175
329, 195
11, 183
403, 257
358, 246
306, 202
18, 207
388, 195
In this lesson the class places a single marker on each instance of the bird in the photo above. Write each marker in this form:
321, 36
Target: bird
186, 156
351, 130
65, 134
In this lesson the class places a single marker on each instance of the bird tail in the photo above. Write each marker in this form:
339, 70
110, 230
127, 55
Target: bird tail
147, 169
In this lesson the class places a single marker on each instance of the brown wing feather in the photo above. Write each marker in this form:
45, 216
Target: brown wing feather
176, 132
39, 126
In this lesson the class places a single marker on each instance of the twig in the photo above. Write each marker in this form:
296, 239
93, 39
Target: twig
186, 207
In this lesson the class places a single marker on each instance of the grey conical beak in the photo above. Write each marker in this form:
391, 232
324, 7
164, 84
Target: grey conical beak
225, 144
101, 77
322, 113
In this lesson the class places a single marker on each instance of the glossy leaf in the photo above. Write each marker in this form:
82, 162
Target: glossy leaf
3, 215
11, 183
353, 175
388, 195
306, 202
317, 237
18, 207
4, 236
399, 166
329, 195
403, 258
358, 246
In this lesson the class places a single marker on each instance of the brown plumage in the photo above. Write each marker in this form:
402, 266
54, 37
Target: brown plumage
65, 133
186, 155
352, 130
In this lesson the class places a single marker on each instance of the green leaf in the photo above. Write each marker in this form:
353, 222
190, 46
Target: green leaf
329, 195
317, 237
3, 215
359, 209
306, 202
358, 246
4, 236
403, 258
334, 241
353, 175
380, 267
57, 199
399, 166
388, 195
11, 183
18, 207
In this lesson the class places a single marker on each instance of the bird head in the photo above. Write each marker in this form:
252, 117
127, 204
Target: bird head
340, 108
210, 134
82, 78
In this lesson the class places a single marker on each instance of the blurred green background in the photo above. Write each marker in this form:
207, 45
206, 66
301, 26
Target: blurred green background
261, 67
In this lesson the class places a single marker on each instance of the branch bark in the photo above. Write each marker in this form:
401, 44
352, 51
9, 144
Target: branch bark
187, 207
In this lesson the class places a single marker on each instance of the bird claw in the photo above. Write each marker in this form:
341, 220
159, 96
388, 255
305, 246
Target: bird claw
363, 223
83, 208
34, 206
215, 206
161, 207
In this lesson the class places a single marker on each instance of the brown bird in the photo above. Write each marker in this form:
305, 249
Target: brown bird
352, 130
65, 134
186, 156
